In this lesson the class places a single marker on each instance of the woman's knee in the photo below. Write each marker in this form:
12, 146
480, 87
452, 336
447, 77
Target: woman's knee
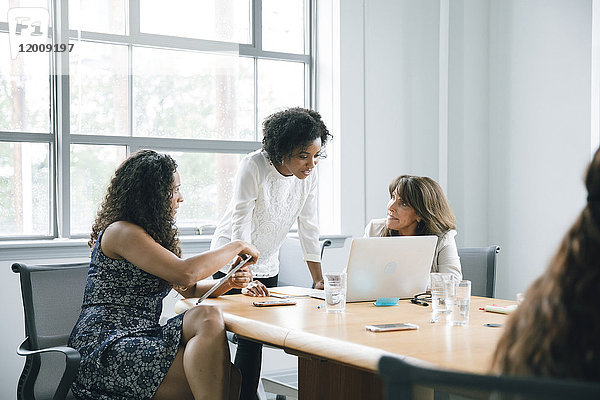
204, 318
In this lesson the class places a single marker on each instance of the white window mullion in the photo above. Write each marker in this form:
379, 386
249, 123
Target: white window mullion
256, 48
311, 38
257, 24
60, 117
134, 18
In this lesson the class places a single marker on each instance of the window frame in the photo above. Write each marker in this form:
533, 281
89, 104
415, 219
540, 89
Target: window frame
59, 138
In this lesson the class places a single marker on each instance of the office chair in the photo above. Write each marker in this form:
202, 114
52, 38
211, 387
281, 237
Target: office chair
292, 268
479, 266
52, 298
401, 375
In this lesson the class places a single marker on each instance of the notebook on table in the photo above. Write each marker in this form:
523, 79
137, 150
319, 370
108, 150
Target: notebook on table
395, 266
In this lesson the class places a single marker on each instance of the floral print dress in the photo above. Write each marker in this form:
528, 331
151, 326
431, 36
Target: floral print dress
125, 353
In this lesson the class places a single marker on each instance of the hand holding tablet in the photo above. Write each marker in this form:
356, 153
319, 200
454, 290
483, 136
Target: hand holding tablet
221, 281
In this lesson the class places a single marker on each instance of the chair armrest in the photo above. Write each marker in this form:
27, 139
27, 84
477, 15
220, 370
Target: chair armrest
71, 364
231, 337
326, 243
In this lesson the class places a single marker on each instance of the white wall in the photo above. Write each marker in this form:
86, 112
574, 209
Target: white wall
539, 132
401, 95
519, 114
468, 122
351, 132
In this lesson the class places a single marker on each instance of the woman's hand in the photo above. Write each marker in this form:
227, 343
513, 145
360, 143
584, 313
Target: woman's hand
255, 288
249, 249
241, 278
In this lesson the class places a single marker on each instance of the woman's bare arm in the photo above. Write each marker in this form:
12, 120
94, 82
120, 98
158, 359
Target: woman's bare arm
129, 241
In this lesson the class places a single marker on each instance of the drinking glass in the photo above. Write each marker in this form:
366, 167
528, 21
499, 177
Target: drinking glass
458, 304
438, 282
335, 292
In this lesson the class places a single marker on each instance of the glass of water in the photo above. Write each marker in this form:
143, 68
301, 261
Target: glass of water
458, 304
335, 292
438, 282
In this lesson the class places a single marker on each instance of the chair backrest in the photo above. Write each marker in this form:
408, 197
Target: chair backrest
292, 267
400, 376
52, 298
479, 266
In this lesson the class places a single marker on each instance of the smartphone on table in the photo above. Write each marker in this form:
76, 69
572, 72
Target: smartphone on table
400, 326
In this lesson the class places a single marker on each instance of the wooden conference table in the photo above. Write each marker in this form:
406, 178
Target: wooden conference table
337, 357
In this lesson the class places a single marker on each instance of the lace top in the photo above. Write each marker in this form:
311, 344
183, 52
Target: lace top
264, 206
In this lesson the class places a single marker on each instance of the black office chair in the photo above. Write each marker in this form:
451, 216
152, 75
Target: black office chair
52, 298
479, 266
400, 376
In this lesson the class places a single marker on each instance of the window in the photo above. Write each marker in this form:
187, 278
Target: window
193, 79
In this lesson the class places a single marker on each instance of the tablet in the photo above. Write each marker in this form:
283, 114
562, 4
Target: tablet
223, 279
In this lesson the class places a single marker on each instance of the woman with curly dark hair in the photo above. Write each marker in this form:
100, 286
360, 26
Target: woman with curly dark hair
275, 187
135, 262
554, 331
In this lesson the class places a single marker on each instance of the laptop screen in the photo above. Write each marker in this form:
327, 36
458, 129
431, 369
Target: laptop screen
395, 266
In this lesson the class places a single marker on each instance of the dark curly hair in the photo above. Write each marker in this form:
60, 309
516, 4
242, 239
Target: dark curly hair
555, 331
295, 127
140, 192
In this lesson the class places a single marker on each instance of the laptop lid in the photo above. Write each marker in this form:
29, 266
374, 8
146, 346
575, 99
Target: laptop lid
395, 266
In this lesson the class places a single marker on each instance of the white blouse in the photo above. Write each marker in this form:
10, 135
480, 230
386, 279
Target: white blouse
264, 206
446, 254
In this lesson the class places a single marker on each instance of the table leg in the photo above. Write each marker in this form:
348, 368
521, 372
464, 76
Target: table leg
322, 379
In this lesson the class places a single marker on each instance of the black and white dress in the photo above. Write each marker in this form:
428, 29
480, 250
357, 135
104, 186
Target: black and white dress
125, 353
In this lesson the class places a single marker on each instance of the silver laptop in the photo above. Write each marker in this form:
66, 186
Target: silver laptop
396, 266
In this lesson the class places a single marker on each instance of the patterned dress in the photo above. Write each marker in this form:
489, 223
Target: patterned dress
125, 353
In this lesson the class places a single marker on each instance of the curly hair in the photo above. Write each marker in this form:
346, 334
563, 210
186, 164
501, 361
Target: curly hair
426, 197
287, 130
140, 192
555, 331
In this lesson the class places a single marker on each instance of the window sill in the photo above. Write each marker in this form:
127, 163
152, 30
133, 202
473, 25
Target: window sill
21, 250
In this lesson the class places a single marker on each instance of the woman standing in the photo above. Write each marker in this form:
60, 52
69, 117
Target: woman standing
275, 187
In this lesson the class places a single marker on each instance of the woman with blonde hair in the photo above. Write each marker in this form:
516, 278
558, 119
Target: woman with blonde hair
418, 206
555, 331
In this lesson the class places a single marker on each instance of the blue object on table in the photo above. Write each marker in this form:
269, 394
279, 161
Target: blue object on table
387, 301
